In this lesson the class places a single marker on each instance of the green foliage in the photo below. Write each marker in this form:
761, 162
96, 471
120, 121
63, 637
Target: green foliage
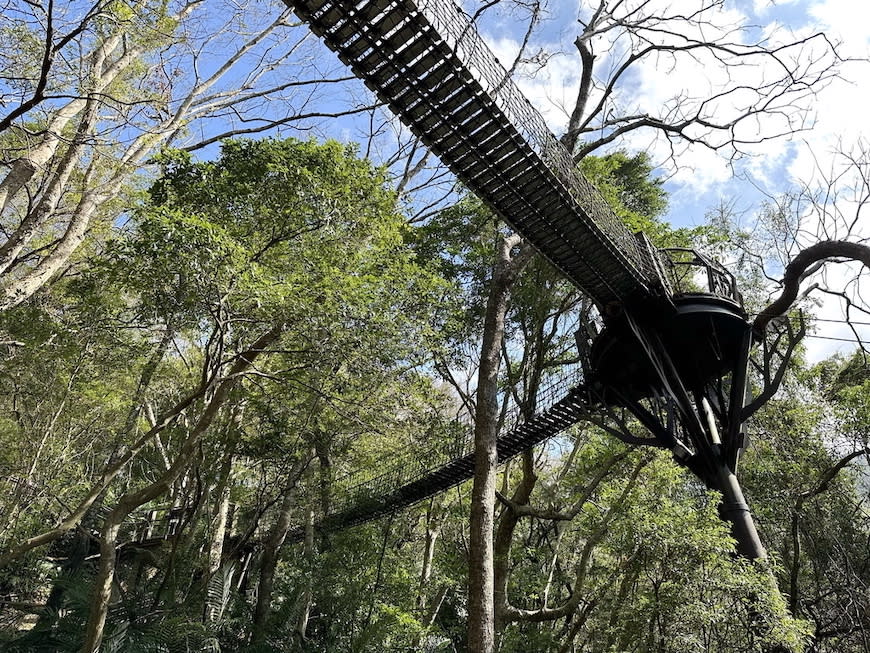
270, 227
810, 506
21, 51
295, 233
308, 236
628, 185
639, 199
663, 578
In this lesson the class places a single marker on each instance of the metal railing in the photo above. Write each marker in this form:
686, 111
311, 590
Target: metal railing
427, 61
414, 464
690, 272
452, 24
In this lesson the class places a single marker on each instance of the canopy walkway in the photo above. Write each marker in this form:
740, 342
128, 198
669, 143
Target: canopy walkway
427, 62
417, 475
430, 65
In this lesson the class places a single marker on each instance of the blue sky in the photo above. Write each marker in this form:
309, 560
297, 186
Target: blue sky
700, 179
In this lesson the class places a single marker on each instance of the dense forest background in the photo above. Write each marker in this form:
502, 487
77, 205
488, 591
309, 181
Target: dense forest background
208, 335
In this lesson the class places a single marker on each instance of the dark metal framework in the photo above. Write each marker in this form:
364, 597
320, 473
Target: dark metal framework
429, 64
674, 350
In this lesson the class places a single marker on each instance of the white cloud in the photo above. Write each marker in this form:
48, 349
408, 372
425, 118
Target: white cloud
841, 108
664, 85
762, 7
846, 19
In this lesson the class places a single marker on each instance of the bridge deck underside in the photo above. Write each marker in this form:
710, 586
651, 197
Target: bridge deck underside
427, 62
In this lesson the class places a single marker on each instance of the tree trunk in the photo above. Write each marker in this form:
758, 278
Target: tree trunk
268, 563
132, 500
218, 532
504, 537
481, 607
219, 518
304, 611
271, 550
433, 529
102, 591
427, 620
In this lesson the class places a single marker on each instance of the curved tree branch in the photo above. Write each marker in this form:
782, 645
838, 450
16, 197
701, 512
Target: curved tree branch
795, 273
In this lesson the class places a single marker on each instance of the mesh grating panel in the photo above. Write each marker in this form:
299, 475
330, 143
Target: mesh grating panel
430, 65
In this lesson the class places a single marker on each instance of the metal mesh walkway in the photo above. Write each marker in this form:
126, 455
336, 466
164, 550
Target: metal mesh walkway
429, 64
403, 481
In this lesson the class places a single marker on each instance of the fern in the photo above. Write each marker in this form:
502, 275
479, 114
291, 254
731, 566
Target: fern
116, 640
218, 592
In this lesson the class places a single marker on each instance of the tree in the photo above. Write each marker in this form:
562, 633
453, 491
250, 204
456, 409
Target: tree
805, 476
491, 267
263, 264
256, 327
481, 618
755, 77
93, 90
536, 321
807, 244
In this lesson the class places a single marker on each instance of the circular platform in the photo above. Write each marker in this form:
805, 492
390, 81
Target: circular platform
703, 338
